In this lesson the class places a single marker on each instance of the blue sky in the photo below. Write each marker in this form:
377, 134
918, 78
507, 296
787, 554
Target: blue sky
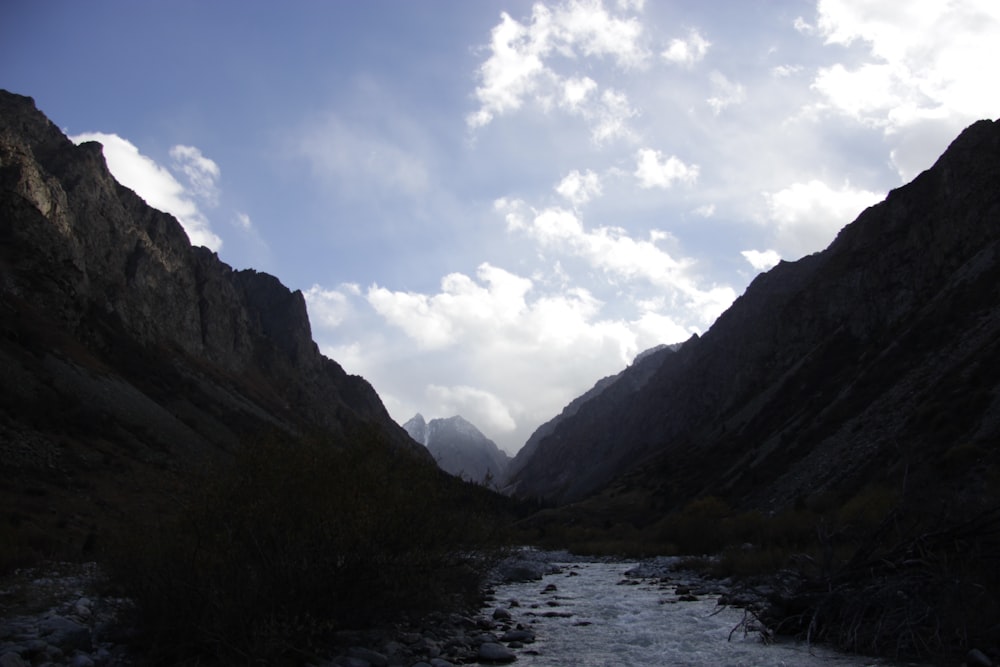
491, 205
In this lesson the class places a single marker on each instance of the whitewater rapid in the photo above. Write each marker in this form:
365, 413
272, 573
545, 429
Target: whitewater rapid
597, 617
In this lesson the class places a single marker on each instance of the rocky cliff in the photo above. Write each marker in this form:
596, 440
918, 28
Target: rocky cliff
124, 349
460, 448
875, 357
615, 390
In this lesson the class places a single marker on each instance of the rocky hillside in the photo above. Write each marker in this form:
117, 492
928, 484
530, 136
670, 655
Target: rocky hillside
460, 448
126, 353
617, 389
874, 359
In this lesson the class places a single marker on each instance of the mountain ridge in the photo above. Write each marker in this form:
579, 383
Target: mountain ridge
772, 391
460, 448
125, 350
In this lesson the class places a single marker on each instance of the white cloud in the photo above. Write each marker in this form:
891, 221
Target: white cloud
483, 408
244, 222
462, 306
201, 172
480, 340
329, 308
688, 51
579, 188
925, 60
576, 91
803, 26
807, 216
513, 68
725, 93
655, 172
784, 71
521, 66
762, 260
623, 258
637, 5
157, 185
610, 117
586, 25
705, 210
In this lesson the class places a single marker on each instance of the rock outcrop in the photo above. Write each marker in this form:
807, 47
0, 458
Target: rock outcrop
874, 357
123, 349
460, 448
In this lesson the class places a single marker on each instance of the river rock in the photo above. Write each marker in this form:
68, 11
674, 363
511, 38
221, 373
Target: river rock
526, 636
64, 633
11, 659
495, 653
501, 614
373, 658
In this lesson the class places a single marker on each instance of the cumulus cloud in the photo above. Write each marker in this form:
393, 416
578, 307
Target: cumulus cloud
688, 51
655, 172
925, 61
483, 408
476, 343
580, 188
329, 308
158, 186
807, 216
762, 260
725, 93
525, 59
463, 305
621, 257
609, 119
575, 92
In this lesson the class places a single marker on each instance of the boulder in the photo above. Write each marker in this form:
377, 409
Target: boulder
491, 652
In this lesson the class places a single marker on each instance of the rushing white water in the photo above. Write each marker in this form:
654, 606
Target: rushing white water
593, 619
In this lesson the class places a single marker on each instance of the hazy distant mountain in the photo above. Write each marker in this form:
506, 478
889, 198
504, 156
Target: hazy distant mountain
873, 360
460, 448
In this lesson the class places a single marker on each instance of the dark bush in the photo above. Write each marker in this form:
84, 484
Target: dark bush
269, 556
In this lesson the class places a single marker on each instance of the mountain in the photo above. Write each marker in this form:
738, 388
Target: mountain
127, 354
617, 388
875, 359
459, 448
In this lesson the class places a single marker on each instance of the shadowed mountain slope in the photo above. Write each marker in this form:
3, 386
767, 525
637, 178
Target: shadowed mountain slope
877, 356
126, 353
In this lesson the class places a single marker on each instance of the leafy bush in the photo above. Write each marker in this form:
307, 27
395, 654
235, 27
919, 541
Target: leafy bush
269, 556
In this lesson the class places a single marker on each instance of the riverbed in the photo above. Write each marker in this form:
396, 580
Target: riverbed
590, 614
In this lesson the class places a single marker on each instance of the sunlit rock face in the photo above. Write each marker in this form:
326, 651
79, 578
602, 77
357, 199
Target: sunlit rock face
460, 448
864, 360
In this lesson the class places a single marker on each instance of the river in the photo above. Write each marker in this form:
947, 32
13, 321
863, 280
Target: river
597, 617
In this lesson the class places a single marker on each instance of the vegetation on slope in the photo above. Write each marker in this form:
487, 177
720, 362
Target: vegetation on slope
267, 559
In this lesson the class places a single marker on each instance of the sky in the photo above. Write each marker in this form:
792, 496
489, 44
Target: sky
491, 205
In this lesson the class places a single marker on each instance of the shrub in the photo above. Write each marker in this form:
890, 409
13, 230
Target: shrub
267, 557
